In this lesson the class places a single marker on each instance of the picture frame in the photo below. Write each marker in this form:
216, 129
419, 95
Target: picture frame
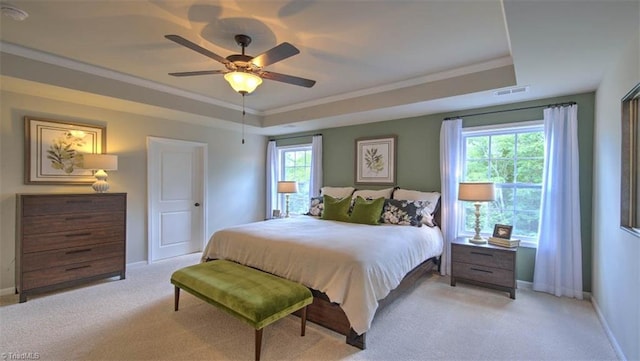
375, 160
502, 231
53, 150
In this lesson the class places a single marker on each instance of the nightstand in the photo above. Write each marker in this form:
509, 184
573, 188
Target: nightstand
484, 265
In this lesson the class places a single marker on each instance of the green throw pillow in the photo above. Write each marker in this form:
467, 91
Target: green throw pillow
367, 212
336, 209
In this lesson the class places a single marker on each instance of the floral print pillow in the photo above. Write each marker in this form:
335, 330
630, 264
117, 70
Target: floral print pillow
316, 207
403, 212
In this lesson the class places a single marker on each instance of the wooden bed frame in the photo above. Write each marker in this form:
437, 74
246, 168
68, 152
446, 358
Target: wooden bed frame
330, 315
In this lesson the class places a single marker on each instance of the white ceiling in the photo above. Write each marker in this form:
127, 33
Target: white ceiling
372, 60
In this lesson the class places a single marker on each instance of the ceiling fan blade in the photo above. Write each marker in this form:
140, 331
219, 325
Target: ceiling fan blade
195, 47
201, 72
275, 54
290, 79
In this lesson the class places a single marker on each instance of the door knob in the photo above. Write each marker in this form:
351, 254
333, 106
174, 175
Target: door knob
197, 204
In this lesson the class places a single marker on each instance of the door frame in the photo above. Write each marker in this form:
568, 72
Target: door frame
152, 185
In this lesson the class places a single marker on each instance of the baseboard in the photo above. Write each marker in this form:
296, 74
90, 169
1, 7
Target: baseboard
607, 330
137, 264
7, 291
524, 285
529, 286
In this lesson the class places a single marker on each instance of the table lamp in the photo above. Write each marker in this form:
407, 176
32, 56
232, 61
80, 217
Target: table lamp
477, 193
287, 187
100, 163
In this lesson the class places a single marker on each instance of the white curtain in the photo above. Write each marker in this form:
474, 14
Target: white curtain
450, 174
272, 178
316, 166
558, 267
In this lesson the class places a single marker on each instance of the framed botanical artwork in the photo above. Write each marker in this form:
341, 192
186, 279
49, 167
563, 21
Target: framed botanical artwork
502, 231
376, 160
54, 151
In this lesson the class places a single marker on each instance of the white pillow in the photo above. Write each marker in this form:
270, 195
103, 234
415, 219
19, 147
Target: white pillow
372, 194
337, 192
431, 197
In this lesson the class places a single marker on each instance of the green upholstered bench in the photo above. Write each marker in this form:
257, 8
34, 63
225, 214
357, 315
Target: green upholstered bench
256, 297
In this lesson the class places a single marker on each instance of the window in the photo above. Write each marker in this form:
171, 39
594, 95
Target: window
630, 162
511, 156
295, 165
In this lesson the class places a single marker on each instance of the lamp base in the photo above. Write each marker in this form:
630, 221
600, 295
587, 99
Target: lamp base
100, 185
478, 240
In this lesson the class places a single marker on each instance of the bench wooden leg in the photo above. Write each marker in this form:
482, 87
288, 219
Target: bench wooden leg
304, 321
176, 298
258, 343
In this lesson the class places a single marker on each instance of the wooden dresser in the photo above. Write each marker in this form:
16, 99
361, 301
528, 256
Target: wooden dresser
484, 264
66, 239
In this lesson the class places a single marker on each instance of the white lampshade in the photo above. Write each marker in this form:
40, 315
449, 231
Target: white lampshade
100, 161
477, 192
287, 187
243, 82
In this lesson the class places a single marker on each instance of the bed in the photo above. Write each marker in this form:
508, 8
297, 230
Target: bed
352, 269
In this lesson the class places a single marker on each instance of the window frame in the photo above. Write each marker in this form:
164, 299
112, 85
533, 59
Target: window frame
281, 150
494, 130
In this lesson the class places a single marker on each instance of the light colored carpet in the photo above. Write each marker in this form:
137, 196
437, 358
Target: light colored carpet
134, 319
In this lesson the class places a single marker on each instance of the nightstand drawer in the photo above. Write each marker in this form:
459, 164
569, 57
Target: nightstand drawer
71, 222
483, 256
60, 204
68, 256
78, 238
492, 275
55, 275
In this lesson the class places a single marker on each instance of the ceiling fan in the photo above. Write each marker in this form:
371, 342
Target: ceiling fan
244, 72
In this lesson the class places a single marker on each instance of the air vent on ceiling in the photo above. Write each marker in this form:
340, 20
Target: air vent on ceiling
518, 90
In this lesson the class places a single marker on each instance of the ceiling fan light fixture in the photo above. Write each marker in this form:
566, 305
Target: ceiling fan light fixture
243, 82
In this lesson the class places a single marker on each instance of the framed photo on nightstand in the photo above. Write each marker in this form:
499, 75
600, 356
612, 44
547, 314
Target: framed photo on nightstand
502, 231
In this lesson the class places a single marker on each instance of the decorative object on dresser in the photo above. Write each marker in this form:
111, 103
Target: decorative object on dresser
287, 187
67, 239
509, 243
502, 231
54, 150
483, 264
477, 192
100, 163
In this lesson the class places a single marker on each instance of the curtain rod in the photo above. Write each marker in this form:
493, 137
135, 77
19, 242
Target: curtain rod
296, 136
511, 110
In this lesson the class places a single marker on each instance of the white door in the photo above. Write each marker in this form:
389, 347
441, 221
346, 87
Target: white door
176, 193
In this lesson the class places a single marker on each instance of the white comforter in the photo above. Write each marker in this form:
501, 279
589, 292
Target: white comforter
355, 265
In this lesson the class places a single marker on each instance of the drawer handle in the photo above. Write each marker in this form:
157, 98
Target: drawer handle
482, 254
480, 270
78, 234
78, 217
77, 268
79, 251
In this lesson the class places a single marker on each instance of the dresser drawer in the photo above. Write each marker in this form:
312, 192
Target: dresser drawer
68, 256
56, 204
71, 222
484, 256
78, 238
492, 275
55, 275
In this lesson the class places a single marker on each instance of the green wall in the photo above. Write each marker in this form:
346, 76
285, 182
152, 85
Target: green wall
418, 165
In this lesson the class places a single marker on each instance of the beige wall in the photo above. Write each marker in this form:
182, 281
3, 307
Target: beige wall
235, 179
616, 253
